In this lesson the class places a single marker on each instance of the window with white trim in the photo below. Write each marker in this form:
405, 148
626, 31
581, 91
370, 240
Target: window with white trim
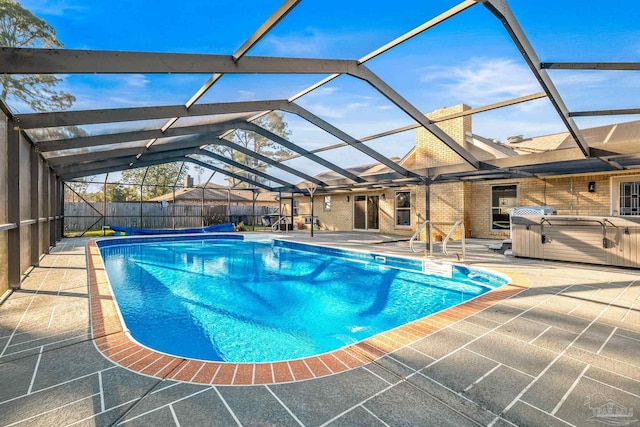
403, 208
327, 203
625, 195
629, 198
296, 207
503, 199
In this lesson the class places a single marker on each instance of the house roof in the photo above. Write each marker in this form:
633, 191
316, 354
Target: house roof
214, 192
600, 135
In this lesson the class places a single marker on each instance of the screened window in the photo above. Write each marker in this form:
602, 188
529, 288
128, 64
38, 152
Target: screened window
503, 199
629, 197
327, 203
403, 208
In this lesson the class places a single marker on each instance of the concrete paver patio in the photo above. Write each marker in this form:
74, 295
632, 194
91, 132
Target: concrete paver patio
565, 351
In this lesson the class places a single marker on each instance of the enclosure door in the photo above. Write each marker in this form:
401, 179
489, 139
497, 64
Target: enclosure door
365, 213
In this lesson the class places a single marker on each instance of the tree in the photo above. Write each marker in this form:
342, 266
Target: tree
76, 191
273, 122
21, 28
121, 193
158, 179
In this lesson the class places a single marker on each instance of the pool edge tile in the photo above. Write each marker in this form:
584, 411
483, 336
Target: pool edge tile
111, 339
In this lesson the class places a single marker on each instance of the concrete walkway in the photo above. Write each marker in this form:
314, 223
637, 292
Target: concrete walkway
564, 352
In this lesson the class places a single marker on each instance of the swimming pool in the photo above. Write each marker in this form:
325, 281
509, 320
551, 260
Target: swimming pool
222, 298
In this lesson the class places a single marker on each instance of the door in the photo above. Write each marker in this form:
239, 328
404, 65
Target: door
365, 213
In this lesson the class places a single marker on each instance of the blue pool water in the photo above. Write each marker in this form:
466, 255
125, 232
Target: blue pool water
224, 299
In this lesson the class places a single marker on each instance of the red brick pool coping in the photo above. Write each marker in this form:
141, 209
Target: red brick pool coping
110, 338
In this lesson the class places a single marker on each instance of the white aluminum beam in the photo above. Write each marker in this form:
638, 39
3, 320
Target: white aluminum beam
266, 26
393, 96
605, 112
271, 162
600, 66
85, 117
502, 11
317, 121
124, 166
70, 61
139, 135
420, 29
293, 147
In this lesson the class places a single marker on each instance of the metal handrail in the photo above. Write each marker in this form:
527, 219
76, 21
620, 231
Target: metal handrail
460, 224
275, 225
603, 227
417, 233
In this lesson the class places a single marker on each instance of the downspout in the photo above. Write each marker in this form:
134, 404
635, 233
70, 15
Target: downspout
571, 200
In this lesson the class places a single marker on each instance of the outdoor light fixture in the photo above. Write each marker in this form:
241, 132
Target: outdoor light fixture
592, 187
347, 198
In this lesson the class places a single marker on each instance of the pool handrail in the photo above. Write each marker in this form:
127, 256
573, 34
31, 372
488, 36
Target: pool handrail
460, 224
276, 225
417, 233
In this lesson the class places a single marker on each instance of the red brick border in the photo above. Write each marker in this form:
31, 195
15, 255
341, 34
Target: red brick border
110, 339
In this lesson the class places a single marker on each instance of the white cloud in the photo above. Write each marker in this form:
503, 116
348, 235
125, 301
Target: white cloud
53, 7
246, 94
318, 43
356, 105
136, 80
483, 80
310, 43
328, 111
325, 90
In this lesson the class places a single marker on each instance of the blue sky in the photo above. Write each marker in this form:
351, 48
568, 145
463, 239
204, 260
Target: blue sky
468, 59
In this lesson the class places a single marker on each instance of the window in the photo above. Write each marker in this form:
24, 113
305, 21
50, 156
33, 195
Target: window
403, 208
625, 195
327, 203
629, 197
296, 207
503, 199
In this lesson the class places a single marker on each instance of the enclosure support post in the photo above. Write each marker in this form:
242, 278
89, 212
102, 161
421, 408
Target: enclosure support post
13, 204
291, 210
52, 209
311, 193
60, 208
46, 208
428, 215
202, 208
104, 204
254, 194
173, 208
144, 177
34, 166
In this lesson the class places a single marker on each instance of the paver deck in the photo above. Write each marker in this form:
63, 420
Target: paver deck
565, 351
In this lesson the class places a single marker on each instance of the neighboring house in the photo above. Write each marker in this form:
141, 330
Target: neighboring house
482, 203
214, 194
219, 204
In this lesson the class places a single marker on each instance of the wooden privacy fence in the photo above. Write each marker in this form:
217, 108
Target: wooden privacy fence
81, 216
